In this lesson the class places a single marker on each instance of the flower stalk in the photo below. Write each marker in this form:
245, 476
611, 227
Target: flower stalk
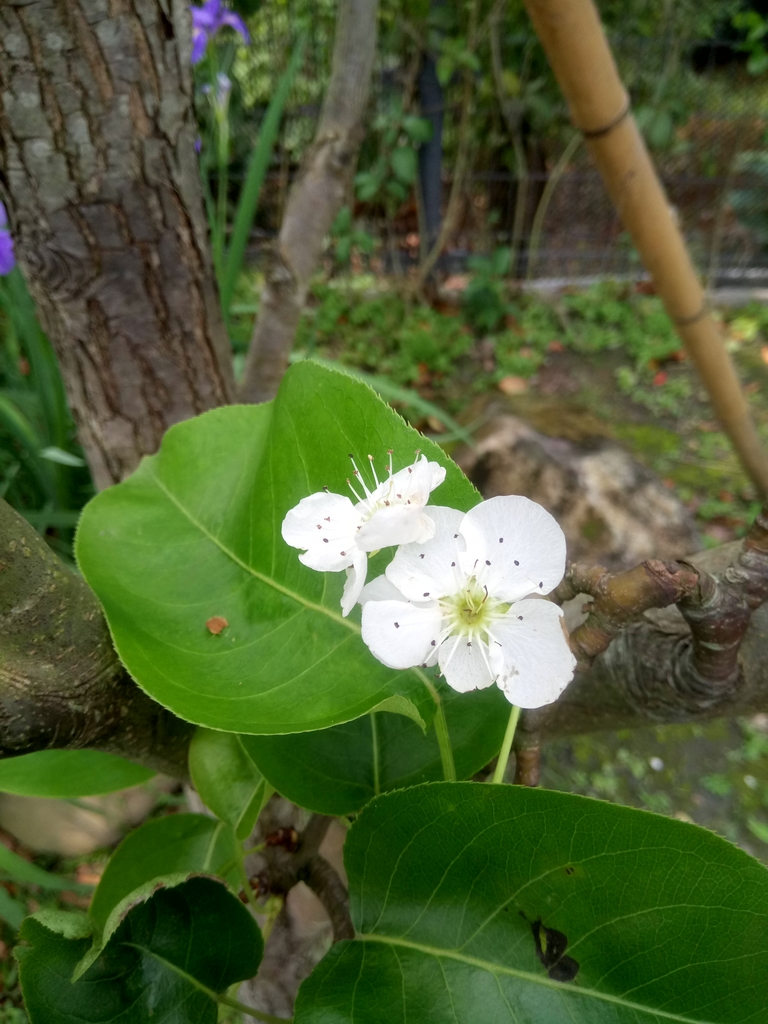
506, 746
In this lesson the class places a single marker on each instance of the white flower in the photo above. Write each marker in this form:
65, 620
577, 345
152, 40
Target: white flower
462, 600
336, 534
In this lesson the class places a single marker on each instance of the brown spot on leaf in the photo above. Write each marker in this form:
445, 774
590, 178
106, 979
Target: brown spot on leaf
216, 624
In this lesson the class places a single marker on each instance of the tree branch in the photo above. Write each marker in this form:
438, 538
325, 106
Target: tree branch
61, 682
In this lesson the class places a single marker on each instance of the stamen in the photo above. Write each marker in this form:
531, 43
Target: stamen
373, 470
485, 659
453, 651
349, 484
360, 478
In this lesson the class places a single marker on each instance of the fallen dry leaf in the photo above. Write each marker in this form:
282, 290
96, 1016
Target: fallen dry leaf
513, 385
764, 353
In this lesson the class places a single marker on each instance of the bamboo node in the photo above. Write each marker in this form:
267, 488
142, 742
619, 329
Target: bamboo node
598, 133
686, 321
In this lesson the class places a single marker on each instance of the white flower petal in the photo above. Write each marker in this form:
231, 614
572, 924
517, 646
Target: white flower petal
465, 663
431, 570
395, 524
538, 663
323, 524
515, 546
412, 484
356, 574
380, 589
399, 634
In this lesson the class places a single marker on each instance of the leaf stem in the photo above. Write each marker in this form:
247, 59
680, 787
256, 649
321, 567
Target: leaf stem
444, 742
506, 745
375, 743
246, 881
251, 1012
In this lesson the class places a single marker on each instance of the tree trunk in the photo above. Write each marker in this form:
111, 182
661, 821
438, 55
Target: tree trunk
431, 107
315, 199
97, 157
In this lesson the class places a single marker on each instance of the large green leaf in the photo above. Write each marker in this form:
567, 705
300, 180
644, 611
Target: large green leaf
195, 534
168, 961
337, 771
471, 901
69, 773
175, 844
227, 780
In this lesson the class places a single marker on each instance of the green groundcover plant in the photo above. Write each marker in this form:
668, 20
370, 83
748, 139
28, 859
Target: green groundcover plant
359, 635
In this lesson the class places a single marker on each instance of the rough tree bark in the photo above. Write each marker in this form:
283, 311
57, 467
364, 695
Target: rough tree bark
61, 682
315, 199
98, 165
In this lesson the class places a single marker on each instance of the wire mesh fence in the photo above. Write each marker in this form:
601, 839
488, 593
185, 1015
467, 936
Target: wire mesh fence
704, 117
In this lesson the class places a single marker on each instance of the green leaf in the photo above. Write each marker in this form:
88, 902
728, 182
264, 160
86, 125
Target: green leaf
227, 780
393, 393
175, 844
337, 771
471, 901
758, 828
69, 773
168, 961
17, 869
195, 533
60, 456
405, 164
419, 129
367, 185
12, 911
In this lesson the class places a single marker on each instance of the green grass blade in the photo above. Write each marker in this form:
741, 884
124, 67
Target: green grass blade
21, 428
257, 169
45, 369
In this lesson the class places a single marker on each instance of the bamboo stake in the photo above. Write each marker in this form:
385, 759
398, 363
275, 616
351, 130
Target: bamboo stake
578, 52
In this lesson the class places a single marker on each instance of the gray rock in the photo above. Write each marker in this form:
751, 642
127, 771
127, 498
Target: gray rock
614, 510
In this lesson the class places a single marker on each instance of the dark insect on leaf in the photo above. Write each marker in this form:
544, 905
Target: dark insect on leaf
550, 949
565, 969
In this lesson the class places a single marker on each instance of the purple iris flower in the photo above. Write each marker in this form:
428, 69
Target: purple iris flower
206, 22
7, 259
